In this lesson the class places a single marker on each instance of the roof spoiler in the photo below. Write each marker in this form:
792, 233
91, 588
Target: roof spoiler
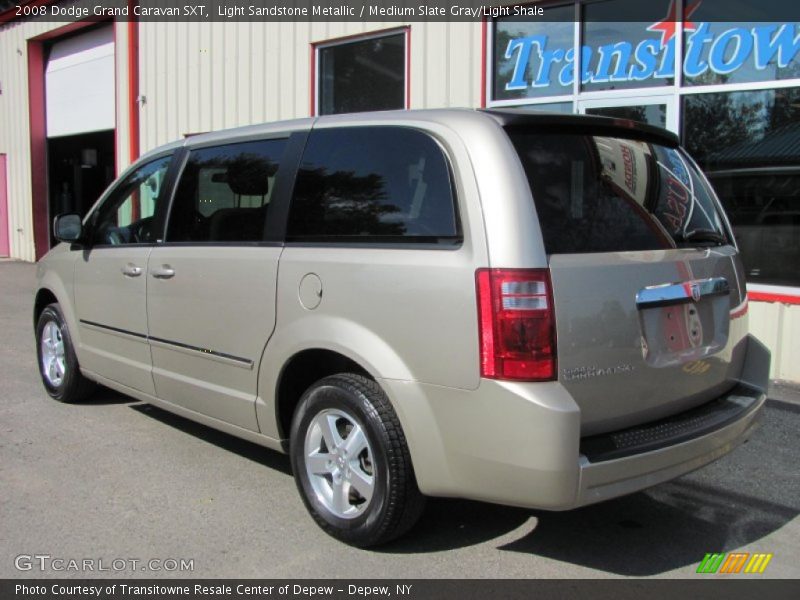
549, 122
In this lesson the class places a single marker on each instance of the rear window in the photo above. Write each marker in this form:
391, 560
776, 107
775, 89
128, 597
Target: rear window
608, 194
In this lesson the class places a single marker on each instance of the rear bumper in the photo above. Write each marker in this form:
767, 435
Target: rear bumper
603, 477
519, 444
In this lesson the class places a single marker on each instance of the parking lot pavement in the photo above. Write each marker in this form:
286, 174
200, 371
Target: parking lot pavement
119, 479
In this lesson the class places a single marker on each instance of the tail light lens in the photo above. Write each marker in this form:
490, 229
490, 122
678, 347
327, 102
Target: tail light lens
517, 324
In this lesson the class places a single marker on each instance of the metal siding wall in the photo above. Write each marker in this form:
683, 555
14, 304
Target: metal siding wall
778, 326
200, 77
4, 242
790, 344
15, 136
463, 64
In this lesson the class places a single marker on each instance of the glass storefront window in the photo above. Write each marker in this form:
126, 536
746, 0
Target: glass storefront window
749, 145
364, 75
533, 59
557, 107
627, 54
740, 51
652, 114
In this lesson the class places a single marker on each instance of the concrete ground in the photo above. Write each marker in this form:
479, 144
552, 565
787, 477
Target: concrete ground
117, 479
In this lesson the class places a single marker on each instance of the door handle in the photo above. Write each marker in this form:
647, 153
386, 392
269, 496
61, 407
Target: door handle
131, 270
682, 292
163, 272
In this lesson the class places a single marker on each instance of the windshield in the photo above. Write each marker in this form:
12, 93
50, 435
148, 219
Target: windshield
610, 194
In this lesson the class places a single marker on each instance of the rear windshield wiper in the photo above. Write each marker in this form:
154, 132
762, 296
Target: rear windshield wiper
704, 236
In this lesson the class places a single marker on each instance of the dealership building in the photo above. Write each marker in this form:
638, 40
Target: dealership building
81, 99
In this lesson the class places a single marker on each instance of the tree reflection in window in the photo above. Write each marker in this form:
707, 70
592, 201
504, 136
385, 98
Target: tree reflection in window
224, 193
748, 143
343, 203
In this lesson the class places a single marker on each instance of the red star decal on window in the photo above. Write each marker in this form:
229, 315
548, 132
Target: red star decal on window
669, 24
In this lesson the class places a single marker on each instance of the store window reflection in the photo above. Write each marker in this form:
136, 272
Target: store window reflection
520, 68
749, 145
627, 53
750, 46
652, 114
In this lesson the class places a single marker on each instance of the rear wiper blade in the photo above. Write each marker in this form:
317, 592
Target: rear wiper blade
704, 235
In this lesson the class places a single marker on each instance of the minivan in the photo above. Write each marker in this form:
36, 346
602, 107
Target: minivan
536, 310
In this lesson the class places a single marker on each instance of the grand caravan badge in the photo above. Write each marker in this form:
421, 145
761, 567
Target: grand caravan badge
578, 373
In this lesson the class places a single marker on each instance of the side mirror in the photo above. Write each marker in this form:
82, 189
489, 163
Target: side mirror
68, 228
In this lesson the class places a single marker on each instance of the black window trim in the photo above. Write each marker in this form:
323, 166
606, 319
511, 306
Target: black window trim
715, 199
373, 243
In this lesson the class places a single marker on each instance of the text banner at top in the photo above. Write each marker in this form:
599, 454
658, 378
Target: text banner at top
392, 11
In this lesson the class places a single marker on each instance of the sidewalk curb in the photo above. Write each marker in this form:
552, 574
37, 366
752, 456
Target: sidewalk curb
785, 391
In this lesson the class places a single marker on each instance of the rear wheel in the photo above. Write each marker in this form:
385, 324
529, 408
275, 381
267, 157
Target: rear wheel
351, 462
58, 365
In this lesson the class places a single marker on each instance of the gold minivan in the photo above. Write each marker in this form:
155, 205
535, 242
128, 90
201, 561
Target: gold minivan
536, 310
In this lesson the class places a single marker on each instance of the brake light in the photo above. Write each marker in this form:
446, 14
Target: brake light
517, 324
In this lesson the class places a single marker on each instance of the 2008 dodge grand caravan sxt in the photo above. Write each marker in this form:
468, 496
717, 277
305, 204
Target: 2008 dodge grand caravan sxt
531, 309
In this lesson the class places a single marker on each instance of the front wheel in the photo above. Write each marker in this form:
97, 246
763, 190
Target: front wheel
58, 365
351, 462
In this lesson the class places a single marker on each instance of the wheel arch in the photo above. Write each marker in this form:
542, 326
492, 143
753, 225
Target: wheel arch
44, 296
299, 372
74, 385
320, 344
54, 285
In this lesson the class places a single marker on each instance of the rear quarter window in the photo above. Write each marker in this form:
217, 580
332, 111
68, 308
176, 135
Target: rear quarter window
373, 184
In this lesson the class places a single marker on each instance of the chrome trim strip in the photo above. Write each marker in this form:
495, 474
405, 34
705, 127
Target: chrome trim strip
668, 294
115, 330
229, 359
204, 352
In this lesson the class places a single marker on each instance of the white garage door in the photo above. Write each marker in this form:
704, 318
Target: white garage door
80, 84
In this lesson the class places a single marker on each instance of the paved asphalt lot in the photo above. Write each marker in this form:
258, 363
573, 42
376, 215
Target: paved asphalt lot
116, 478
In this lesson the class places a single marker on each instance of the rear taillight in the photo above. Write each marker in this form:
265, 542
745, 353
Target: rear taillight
517, 324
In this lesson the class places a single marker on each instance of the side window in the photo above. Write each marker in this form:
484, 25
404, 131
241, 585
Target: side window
373, 184
224, 193
126, 216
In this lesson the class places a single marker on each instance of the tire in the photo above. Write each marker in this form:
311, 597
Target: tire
378, 499
58, 365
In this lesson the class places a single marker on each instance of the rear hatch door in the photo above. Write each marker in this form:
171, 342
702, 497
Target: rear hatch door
646, 282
